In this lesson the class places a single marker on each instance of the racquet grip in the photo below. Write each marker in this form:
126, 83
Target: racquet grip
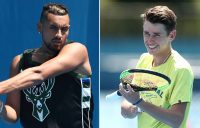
113, 96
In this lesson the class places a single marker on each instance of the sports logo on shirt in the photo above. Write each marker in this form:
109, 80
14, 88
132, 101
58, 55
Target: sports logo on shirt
37, 95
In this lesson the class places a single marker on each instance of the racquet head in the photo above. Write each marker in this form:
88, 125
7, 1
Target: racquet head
141, 80
144, 80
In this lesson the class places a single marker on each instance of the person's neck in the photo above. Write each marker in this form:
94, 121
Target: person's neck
48, 51
42, 54
161, 59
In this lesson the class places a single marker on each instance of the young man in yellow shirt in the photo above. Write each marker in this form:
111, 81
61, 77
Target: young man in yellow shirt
171, 107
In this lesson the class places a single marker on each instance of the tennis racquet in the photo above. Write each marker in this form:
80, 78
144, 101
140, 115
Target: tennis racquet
141, 80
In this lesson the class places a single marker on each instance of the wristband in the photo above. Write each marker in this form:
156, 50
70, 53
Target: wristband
139, 110
137, 102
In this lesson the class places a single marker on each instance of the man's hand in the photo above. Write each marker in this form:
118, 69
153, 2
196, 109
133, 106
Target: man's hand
128, 110
129, 94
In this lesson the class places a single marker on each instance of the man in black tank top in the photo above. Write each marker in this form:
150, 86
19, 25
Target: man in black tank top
50, 86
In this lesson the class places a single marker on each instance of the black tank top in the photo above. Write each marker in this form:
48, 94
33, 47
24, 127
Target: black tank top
61, 102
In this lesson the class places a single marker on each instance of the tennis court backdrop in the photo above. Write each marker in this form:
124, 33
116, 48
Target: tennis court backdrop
122, 44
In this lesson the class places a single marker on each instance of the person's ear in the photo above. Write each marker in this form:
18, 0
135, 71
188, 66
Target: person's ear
172, 35
39, 27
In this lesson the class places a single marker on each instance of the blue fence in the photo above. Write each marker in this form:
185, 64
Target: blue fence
18, 21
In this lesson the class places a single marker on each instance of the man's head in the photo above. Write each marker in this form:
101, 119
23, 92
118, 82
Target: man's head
159, 29
54, 26
162, 15
56, 9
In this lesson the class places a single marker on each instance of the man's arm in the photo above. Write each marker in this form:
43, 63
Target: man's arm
11, 109
72, 57
173, 116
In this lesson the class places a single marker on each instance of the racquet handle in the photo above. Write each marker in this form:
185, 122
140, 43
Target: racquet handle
113, 96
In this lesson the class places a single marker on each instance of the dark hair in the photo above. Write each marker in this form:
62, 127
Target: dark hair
163, 15
57, 9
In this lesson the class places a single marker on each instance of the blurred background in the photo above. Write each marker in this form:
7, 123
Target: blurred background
18, 23
121, 45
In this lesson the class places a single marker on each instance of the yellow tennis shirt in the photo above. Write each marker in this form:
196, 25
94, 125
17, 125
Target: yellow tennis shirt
180, 89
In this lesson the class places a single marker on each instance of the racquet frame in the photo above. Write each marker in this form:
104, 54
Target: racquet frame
138, 88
